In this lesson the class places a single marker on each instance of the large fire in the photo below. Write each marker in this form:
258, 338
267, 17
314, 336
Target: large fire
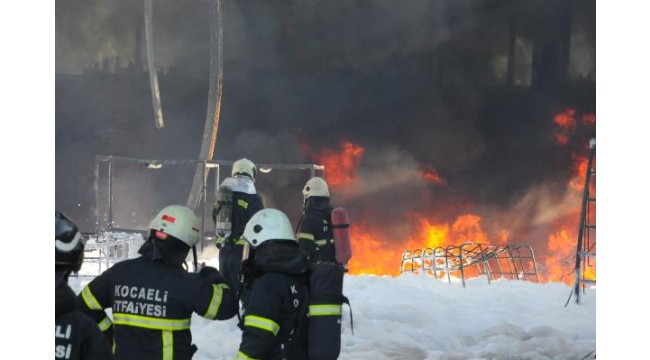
378, 252
341, 167
561, 245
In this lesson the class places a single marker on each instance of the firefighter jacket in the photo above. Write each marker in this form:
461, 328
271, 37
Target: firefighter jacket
315, 230
245, 203
244, 207
152, 300
76, 335
277, 295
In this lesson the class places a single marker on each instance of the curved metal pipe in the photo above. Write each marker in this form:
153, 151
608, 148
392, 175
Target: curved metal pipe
211, 128
151, 62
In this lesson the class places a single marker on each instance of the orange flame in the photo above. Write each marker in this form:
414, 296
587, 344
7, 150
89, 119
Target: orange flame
503, 236
432, 175
590, 271
580, 164
468, 229
589, 119
428, 234
562, 241
566, 123
341, 167
376, 253
565, 119
560, 265
372, 254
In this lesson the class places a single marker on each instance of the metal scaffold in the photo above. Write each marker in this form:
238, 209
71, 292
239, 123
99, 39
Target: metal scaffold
111, 242
585, 269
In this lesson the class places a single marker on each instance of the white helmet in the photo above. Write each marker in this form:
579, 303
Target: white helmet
268, 224
315, 186
179, 222
244, 167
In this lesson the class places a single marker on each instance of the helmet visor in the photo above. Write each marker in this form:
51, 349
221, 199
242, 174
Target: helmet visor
76, 243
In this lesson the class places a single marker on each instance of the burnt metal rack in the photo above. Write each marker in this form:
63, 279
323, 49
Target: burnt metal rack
103, 250
514, 262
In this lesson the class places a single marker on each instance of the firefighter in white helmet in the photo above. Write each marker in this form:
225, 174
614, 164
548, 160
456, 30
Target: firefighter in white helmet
236, 203
315, 228
152, 297
275, 272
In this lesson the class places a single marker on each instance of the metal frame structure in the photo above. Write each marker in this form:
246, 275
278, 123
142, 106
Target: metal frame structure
586, 247
515, 262
201, 206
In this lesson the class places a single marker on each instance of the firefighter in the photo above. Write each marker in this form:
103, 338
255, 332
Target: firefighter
152, 297
76, 335
242, 203
277, 271
315, 228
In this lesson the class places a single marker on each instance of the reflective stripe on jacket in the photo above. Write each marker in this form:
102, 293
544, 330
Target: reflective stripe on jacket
270, 317
152, 305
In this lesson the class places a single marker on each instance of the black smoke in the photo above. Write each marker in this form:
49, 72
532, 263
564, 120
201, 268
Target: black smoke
417, 84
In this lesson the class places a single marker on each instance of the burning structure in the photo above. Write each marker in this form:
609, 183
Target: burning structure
468, 245
439, 123
514, 261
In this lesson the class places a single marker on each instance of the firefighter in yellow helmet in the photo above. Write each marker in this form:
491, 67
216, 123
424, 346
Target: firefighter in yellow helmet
153, 297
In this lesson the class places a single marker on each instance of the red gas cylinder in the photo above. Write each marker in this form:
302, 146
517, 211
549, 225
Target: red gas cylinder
341, 234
